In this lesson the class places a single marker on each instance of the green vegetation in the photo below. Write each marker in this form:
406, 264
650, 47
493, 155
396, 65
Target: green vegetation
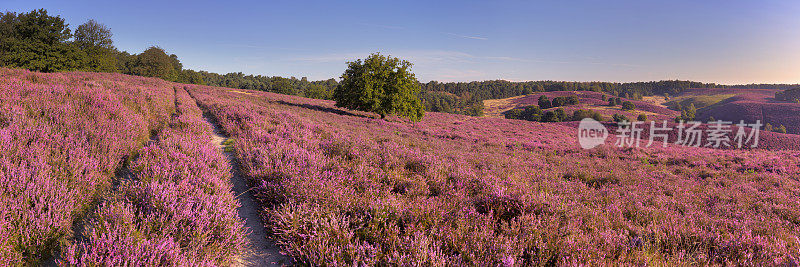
562, 101
38, 41
687, 114
498, 89
619, 118
628, 105
438, 101
380, 84
614, 101
544, 102
558, 115
534, 113
582, 114
528, 113
699, 101
641, 117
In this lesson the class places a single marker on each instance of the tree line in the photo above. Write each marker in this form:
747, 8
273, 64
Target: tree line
41, 42
497, 89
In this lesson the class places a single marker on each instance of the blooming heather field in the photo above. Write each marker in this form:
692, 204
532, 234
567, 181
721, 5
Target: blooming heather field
342, 187
64, 136
588, 101
109, 170
66, 140
176, 209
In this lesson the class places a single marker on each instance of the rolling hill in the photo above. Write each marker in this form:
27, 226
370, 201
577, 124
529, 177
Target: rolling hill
743, 104
588, 100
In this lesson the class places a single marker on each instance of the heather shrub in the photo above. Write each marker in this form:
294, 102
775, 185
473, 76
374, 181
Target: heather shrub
176, 209
62, 143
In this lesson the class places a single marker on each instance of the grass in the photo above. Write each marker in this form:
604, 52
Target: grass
699, 101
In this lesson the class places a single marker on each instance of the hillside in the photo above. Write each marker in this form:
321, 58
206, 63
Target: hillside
131, 161
588, 101
744, 104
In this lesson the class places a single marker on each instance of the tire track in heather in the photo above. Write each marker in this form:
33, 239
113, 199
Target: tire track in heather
262, 250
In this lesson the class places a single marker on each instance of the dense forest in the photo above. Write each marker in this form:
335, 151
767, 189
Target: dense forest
41, 42
497, 89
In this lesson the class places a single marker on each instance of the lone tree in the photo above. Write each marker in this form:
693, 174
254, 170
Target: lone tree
380, 84
155, 62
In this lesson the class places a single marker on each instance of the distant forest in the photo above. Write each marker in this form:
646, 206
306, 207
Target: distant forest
41, 42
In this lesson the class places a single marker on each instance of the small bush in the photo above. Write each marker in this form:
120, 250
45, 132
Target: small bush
544, 102
628, 105
565, 101
582, 114
528, 113
620, 118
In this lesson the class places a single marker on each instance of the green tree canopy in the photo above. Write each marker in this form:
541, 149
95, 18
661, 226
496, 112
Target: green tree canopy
37, 41
544, 103
380, 84
94, 39
628, 105
154, 62
93, 34
317, 91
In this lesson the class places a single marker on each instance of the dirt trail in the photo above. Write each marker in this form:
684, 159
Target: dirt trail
262, 251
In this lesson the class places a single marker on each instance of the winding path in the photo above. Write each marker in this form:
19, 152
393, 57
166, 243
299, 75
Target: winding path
262, 251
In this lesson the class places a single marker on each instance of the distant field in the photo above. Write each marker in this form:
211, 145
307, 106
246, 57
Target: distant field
720, 103
699, 101
655, 100
588, 100
744, 104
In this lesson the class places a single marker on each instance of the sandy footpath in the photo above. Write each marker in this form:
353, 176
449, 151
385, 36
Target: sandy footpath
262, 251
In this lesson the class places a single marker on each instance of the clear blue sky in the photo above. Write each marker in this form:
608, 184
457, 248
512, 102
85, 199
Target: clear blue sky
712, 41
